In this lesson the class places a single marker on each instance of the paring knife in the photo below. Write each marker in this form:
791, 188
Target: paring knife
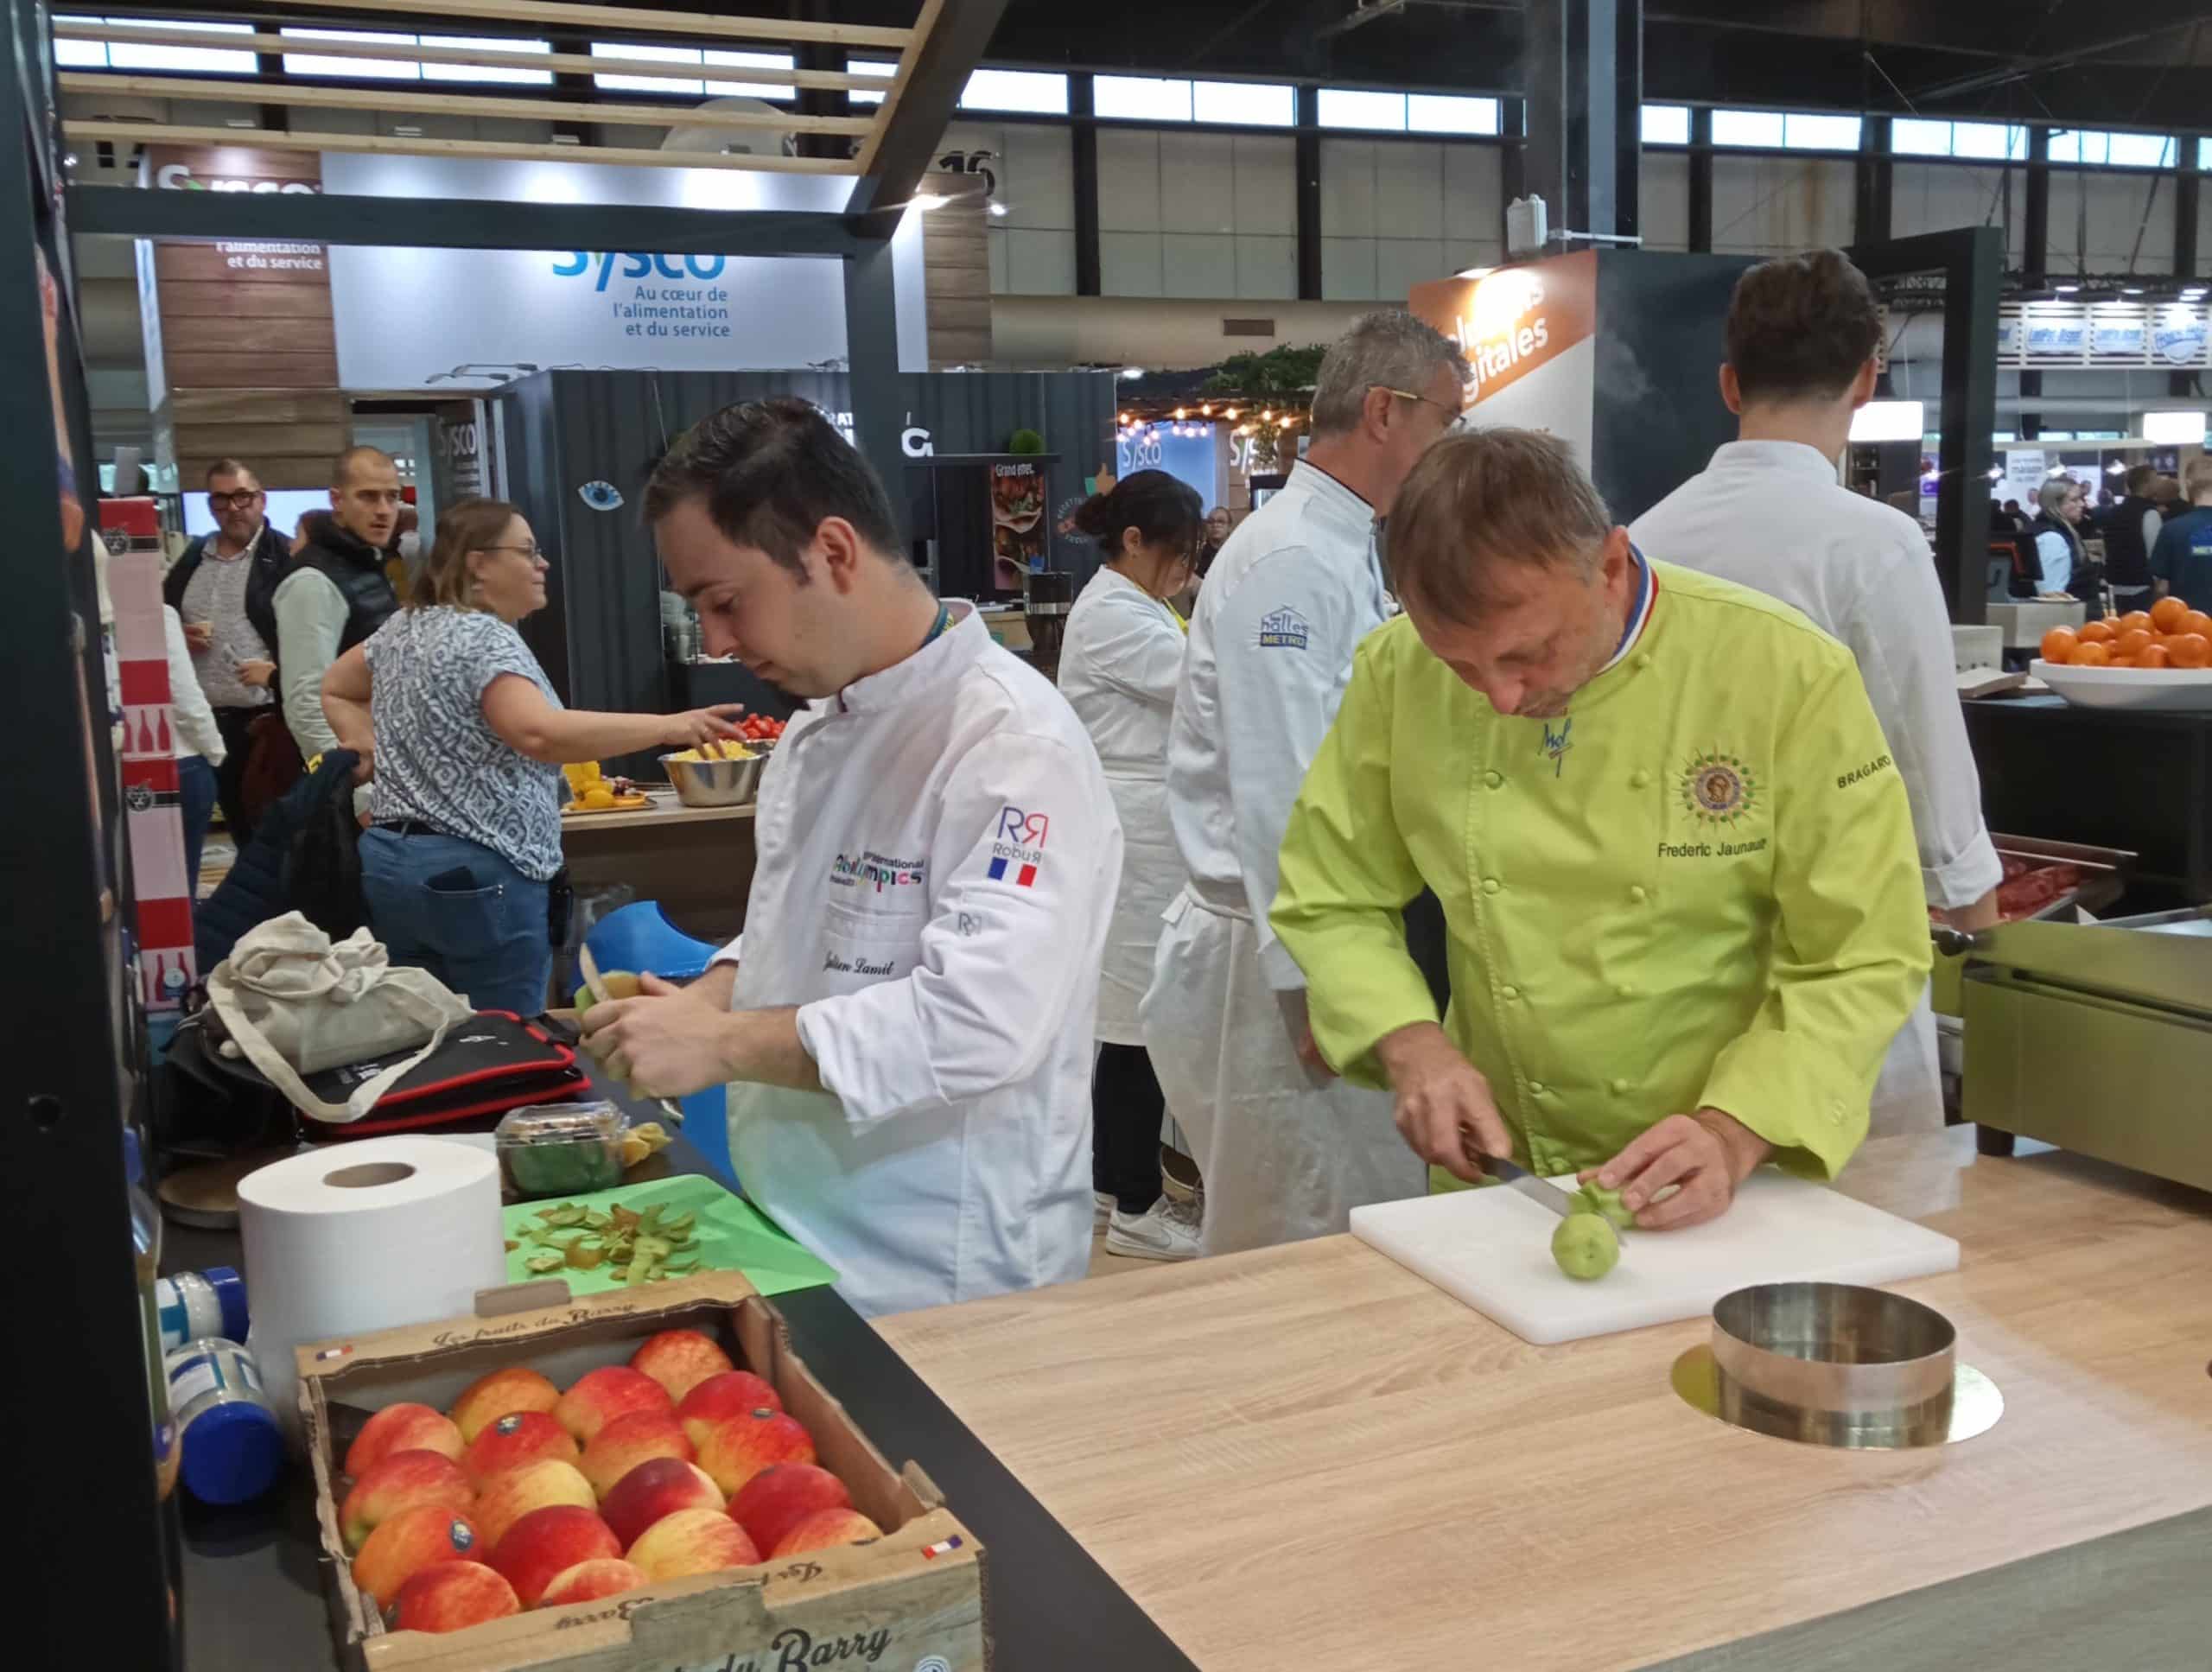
1548, 1197
587, 966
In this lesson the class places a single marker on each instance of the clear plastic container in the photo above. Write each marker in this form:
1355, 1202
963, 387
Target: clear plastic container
562, 1149
146, 1252
195, 1304
233, 1448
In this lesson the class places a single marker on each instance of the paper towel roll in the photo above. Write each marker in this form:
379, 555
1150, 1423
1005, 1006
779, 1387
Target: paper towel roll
362, 1236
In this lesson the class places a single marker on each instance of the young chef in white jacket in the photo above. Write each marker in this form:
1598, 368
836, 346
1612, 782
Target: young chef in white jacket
1288, 1151
906, 1020
1768, 512
1120, 660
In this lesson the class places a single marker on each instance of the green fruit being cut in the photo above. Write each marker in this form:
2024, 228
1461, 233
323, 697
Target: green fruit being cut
1584, 1247
1606, 1204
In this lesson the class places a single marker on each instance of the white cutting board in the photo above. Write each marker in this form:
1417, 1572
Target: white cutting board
1492, 1249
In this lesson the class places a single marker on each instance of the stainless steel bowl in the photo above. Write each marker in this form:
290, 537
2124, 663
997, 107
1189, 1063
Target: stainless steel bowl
1835, 1364
715, 783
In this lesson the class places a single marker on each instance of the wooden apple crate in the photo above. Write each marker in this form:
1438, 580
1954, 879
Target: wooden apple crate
913, 1598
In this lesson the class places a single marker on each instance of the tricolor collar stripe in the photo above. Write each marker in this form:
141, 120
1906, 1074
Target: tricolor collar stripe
1640, 617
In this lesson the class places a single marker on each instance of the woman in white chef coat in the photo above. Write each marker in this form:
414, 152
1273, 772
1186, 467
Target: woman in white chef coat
1120, 660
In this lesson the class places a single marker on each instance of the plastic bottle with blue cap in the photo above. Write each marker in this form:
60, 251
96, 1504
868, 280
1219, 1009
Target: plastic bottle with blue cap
233, 1449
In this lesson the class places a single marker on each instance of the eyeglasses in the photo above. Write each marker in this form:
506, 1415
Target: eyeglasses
536, 554
1454, 416
238, 501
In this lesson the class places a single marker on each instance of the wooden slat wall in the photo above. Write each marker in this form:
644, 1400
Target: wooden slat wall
957, 272
248, 345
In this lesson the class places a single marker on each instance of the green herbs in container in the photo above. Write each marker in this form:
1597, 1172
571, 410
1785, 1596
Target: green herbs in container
561, 1149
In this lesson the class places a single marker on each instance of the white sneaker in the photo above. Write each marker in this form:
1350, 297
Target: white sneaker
1167, 1230
1102, 1210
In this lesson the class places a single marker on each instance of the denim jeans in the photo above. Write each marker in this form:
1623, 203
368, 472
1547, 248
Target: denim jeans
195, 796
461, 912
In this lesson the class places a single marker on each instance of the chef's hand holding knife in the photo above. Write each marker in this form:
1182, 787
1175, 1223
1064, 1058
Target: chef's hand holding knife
674, 1041
1444, 1110
1705, 1156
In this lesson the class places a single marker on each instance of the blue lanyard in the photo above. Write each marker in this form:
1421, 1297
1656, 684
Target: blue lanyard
936, 627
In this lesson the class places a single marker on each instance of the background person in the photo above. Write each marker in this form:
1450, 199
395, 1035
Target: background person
2181, 563
1119, 661
197, 742
224, 587
1220, 524
1286, 1152
336, 592
467, 741
2131, 531
906, 1020
1802, 335
2066, 567
1676, 859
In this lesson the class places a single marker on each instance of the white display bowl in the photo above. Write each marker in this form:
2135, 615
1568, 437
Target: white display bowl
2171, 688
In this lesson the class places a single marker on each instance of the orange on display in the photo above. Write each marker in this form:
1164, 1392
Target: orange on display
2198, 622
2155, 657
2094, 653
2135, 621
2166, 614
2098, 632
2189, 650
2060, 644
2133, 641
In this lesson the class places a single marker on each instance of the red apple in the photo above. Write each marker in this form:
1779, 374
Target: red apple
825, 1528
449, 1595
518, 1438
692, 1541
736, 1451
680, 1360
624, 1443
783, 1495
403, 1427
721, 1397
588, 1581
534, 1486
410, 1541
503, 1393
396, 1481
657, 1487
546, 1543
602, 1395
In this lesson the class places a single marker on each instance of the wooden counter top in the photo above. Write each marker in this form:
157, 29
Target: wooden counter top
1307, 1456
665, 812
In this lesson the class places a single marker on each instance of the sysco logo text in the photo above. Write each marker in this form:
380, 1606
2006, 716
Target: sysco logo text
636, 265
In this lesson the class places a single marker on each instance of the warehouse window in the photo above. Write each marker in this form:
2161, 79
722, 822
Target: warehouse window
1993, 142
519, 77
126, 55
709, 58
407, 69
1666, 124
1437, 113
353, 69
1246, 104
2204, 155
885, 67
1779, 131
1141, 99
1027, 90
2112, 149
1376, 112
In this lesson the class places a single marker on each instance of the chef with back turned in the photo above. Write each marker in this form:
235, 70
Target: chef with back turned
905, 1024
1768, 512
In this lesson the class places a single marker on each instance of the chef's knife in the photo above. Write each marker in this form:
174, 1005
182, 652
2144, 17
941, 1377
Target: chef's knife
587, 966
1548, 1197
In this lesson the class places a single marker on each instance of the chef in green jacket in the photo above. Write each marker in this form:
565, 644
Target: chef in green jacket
1676, 859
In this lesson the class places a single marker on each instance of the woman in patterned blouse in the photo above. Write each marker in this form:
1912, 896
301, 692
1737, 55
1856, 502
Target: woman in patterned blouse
467, 740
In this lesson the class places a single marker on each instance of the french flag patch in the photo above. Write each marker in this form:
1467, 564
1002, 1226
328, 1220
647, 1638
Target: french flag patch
1024, 878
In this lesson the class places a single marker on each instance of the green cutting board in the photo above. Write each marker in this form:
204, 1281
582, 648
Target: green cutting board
731, 1235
